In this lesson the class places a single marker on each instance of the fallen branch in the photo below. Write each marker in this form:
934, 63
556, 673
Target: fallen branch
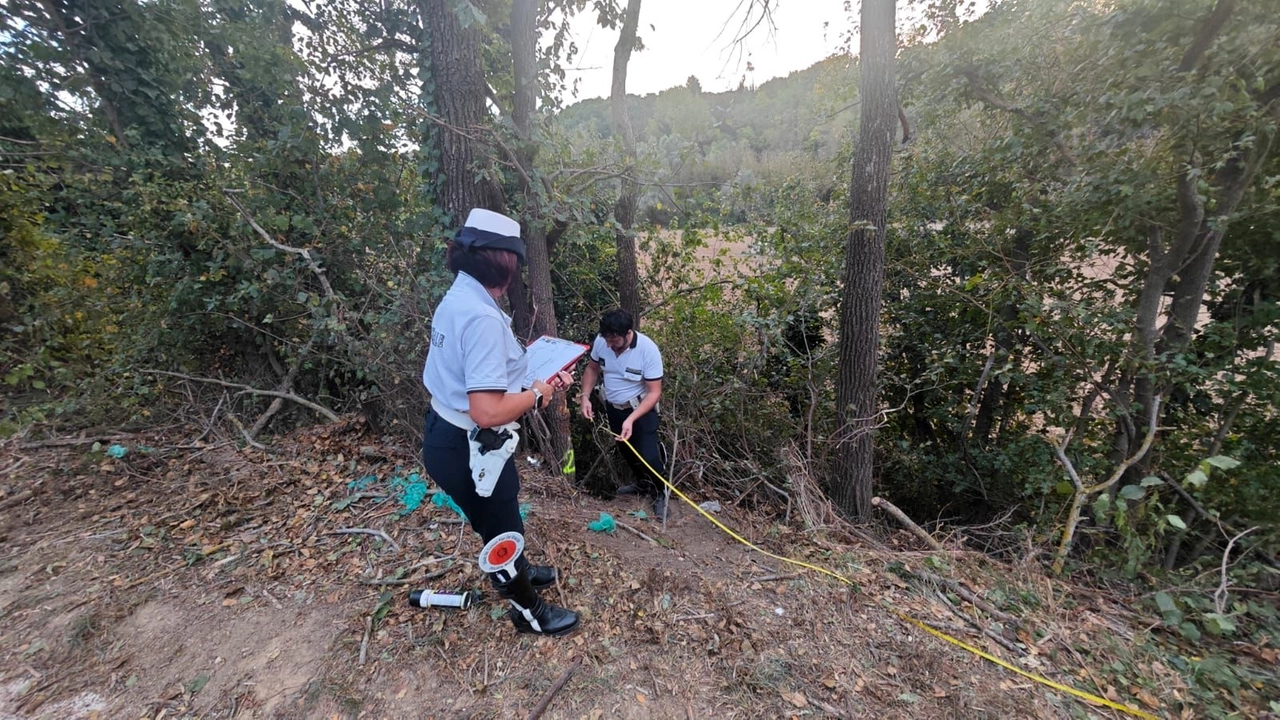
969, 596
71, 442
627, 527
906, 522
9, 471
364, 644
560, 683
828, 708
408, 581
329, 414
993, 635
286, 385
366, 531
244, 432
18, 499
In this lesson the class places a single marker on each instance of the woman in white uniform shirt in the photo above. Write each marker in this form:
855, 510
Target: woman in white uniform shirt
474, 371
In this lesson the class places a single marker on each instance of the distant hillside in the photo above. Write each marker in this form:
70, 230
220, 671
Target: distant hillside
746, 135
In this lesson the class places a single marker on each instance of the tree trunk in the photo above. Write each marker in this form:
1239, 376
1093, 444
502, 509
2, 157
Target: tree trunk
521, 314
524, 14
1185, 263
1005, 341
625, 210
864, 263
455, 84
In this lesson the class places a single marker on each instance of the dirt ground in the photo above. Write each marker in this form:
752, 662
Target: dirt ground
196, 579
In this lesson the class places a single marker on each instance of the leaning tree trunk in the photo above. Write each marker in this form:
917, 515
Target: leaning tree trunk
864, 263
524, 13
1184, 262
625, 210
455, 89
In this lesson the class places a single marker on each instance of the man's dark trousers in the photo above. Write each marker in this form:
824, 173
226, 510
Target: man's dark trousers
644, 438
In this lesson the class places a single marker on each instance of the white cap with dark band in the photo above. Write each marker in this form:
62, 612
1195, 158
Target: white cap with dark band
488, 229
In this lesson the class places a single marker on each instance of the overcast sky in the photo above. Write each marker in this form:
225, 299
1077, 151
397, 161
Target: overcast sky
683, 41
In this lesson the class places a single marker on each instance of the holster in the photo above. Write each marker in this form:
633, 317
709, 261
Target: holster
490, 450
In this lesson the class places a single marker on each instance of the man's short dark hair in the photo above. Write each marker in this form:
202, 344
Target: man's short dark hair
615, 323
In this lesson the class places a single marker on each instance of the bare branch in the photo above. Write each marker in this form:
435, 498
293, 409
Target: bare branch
301, 252
907, 522
1153, 420
1220, 596
1060, 451
555, 688
329, 414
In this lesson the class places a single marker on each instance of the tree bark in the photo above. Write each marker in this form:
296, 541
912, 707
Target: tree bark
524, 13
455, 83
864, 263
1005, 340
624, 212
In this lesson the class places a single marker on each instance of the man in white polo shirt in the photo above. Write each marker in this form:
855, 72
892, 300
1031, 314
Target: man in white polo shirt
630, 365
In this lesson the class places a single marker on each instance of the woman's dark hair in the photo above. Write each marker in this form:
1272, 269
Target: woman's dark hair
615, 323
494, 269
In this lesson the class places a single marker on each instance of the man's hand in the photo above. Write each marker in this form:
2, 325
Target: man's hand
626, 429
584, 405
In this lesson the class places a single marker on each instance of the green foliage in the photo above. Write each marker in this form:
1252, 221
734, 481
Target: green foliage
134, 154
1018, 251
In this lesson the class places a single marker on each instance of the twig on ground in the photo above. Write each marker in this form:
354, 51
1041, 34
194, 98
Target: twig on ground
389, 581
366, 531
907, 522
994, 636
244, 432
627, 527
156, 575
829, 709
408, 581
541, 707
769, 578
970, 597
702, 616
433, 561
72, 442
364, 644
14, 467
18, 499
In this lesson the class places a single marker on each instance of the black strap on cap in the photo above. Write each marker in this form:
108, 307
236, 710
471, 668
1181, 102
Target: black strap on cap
477, 238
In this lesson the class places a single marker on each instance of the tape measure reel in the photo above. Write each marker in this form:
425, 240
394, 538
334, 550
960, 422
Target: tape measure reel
501, 552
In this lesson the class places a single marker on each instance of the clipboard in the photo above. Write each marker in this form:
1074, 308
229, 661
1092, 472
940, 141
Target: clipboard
548, 356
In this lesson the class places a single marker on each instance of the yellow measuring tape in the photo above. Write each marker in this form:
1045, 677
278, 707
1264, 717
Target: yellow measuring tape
1088, 697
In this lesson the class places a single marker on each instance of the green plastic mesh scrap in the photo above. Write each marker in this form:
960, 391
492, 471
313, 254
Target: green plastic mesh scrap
440, 499
606, 524
410, 491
